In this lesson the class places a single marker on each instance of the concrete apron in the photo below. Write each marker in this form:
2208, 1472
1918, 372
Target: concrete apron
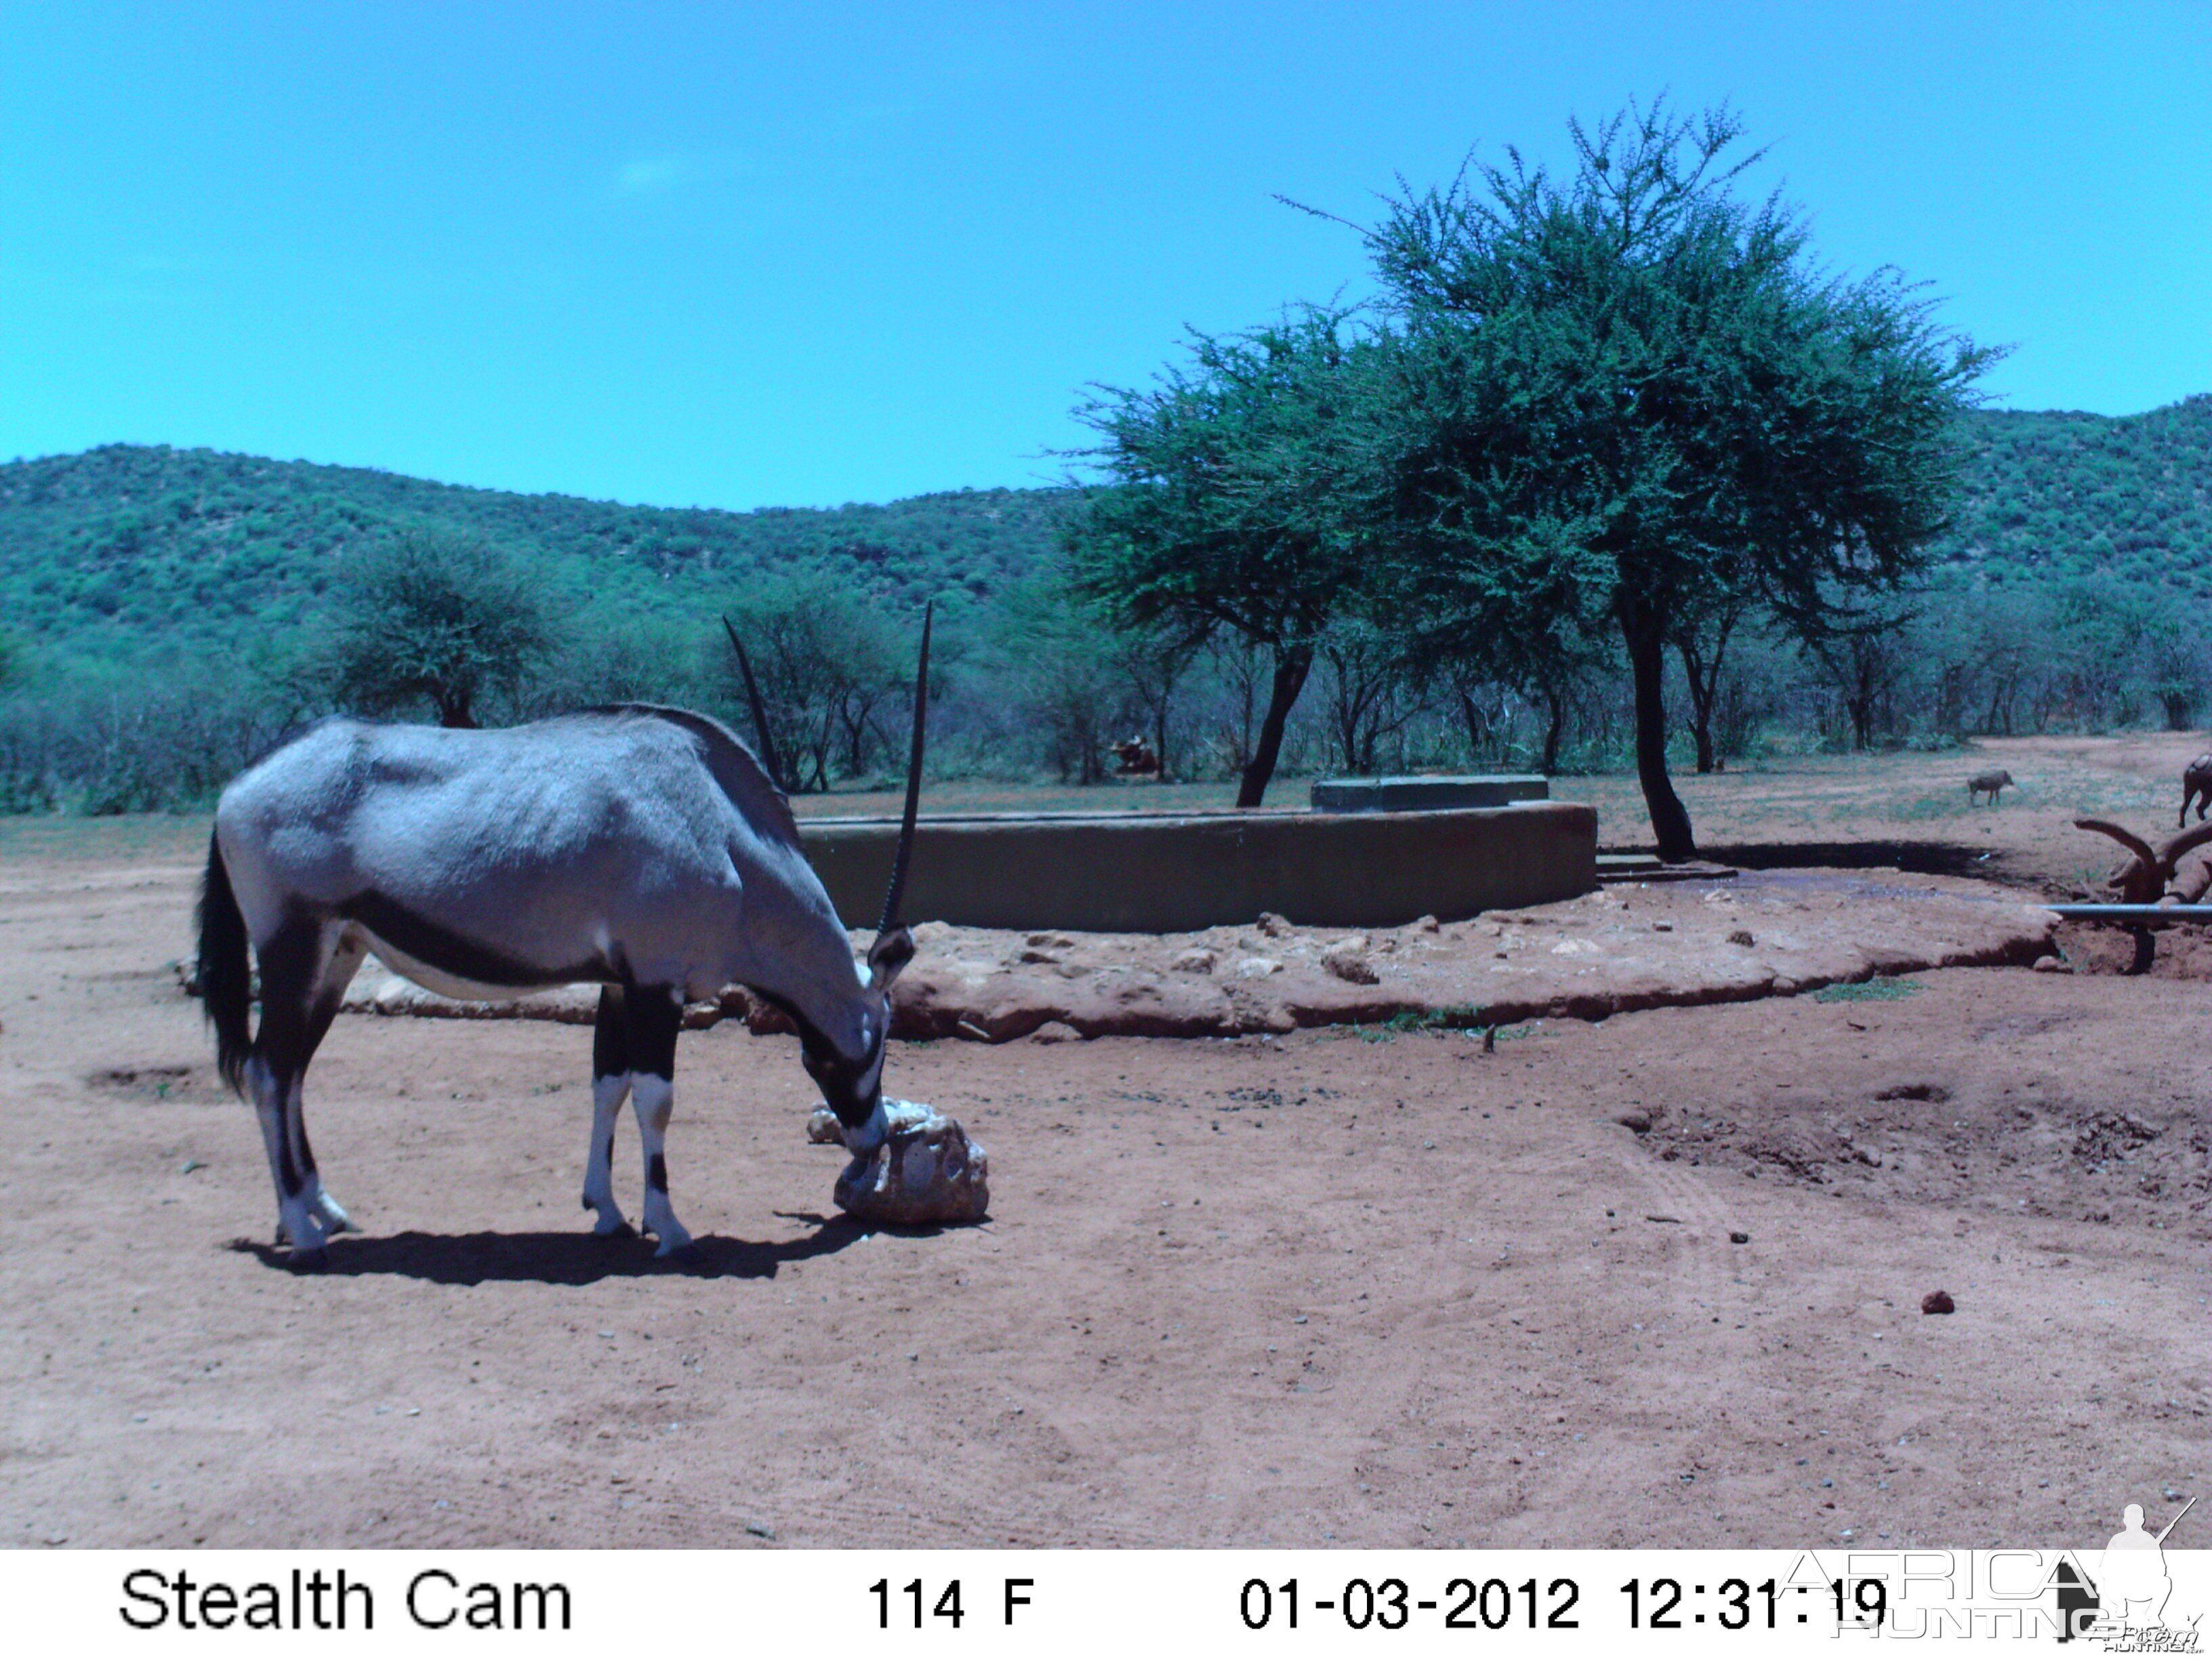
1161, 873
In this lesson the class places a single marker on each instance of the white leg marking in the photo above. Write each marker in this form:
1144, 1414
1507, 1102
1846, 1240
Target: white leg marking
297, 1220
607, 1093
325, 1209
654, 1098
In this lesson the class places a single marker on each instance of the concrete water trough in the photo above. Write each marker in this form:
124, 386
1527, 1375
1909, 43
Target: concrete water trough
1146, 872
1426, 794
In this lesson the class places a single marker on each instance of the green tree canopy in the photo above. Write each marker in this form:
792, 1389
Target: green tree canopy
829, 663
1626, 394
436, 616
1235, 499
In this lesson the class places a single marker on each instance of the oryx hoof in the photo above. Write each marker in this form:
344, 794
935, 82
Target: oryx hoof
686, 1255
308, 1262
616, 1229
334, 1219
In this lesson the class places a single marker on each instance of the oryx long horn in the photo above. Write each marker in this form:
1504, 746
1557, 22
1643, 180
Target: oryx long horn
905, 854
760, 711
2126, 838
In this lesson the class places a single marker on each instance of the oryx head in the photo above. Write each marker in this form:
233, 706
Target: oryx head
852, 1085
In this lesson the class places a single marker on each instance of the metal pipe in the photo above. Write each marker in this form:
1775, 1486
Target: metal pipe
2132, 911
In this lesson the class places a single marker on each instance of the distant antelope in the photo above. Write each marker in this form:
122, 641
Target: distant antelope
2195, 783
639, 847
1987, 783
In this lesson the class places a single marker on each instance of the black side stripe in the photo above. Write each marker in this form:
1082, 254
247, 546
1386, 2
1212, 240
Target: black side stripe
435, 945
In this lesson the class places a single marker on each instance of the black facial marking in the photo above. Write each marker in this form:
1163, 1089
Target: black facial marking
838, 1078
656, 1173
435, 945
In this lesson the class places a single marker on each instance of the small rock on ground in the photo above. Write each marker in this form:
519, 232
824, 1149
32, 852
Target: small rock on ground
926, 1173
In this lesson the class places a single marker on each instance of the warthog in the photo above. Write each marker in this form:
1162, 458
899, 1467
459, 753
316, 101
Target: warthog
2196, 786
1987, 783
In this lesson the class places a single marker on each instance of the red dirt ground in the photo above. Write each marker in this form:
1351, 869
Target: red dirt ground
1337, 1286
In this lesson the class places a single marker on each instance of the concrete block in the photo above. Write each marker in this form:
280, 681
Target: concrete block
1426, 794
1163, 873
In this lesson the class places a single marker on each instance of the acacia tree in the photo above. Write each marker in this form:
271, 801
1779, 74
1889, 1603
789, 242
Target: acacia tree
1234, 501
1862, 652
1369, 683
1151, 664
827, 661
1701, 641
437, 617
1627, 393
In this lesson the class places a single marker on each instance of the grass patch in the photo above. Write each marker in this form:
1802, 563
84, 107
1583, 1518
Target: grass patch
1457, 1017
1463, 1019
1881, 989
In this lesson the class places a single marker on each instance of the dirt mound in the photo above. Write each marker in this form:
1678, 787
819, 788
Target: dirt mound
2183, 951
2040, 1144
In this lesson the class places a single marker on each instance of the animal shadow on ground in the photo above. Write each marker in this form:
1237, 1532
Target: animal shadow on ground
562, 1258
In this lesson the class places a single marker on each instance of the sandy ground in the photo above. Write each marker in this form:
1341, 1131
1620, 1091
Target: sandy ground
1342, 1285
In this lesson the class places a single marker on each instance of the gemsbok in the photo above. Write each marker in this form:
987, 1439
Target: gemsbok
641, 847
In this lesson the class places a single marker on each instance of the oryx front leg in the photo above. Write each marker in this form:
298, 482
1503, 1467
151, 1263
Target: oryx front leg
654, 1098
610, 1087
655, 1017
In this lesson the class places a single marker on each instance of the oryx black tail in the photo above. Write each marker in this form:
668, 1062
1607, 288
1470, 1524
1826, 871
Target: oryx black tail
226, 976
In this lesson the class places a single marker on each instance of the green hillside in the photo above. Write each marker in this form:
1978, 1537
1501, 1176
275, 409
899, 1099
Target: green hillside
2053, 496
126, 555
128, 551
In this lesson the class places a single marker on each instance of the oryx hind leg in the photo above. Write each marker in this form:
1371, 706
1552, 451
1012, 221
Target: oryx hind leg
655, 1016
305, 968
610, 1088
343, 960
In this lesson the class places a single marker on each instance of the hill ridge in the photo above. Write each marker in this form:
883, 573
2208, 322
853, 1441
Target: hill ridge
125, 550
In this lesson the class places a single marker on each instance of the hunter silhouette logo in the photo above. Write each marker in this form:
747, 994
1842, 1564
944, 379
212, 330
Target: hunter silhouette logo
2121, 1608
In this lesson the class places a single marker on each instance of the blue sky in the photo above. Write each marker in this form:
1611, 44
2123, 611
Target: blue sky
739, 255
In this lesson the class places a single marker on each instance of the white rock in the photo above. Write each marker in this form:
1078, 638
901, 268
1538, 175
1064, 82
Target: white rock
926, 1172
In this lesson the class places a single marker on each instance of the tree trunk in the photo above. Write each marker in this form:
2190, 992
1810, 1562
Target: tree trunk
1704, 678
1703, 686
1557, 706
1647, 658
453, 710
1478, 727
1292, 667
1861, 704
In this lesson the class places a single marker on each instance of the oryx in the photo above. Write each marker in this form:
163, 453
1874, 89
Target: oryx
639, 846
